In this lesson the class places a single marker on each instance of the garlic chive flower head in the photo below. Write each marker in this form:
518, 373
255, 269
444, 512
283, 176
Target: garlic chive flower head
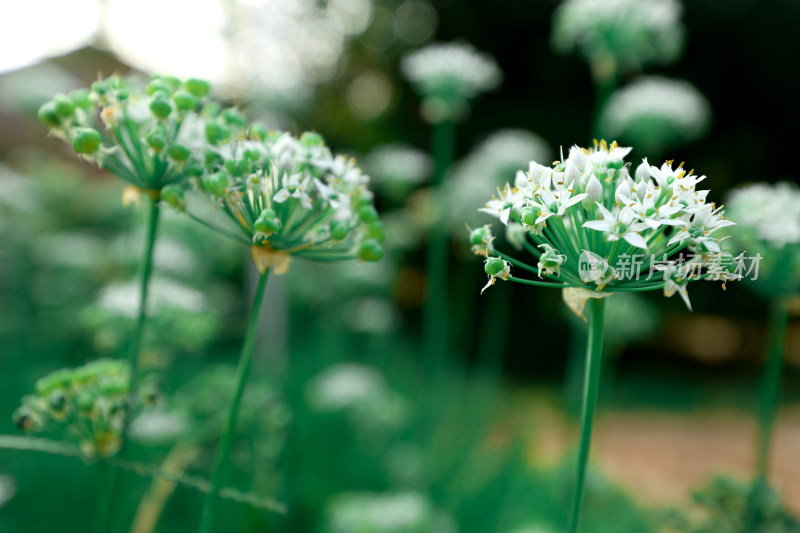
595, 224
448, 76
397, 169
291, 196
89, 402
656, 113
618, 36
148, 134
768, 217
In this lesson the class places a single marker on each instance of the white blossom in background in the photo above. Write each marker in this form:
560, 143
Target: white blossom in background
344, 386
8, 489
589, 221
396, 169
656, 113
619, 35
493, 162
123, 298
448, 76
383, 513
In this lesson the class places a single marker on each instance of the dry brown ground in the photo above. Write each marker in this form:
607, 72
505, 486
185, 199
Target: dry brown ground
662, 457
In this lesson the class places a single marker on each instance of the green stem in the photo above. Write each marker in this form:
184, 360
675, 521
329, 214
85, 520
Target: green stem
243, 370
594, 353
146, 266
771, 383
435, 308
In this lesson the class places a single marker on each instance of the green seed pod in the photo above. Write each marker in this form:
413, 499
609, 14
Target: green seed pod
84, 401
58, 403
216, 132
211, 110
113, 386
81, 98
311, 138
236, 167
49, 116
377, 231
58, 380
267, 222
157, 85
86, 140
479, 236
339, 230
211, 159
100, 87
157, 138
174, 195
178, 152
172, 82
616, 164
184, 100
64, 105
367, 214
234, 118
529, 216
160, 106
258, 131
251, 154
197, 87
215, 183
494, 265
195, 169
369, 250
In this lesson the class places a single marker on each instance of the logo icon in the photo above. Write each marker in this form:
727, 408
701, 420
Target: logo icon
592, 267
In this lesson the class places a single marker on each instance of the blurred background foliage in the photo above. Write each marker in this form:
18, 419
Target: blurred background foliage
339, 424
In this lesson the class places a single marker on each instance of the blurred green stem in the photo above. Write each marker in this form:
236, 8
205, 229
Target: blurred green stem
605, 81
243, 370
146, 266
771, 383
594, 354
435, 311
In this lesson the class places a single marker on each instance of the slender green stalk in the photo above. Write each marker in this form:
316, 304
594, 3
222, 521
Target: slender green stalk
243, 370
146, 269
594, 353
771, 383
435, 308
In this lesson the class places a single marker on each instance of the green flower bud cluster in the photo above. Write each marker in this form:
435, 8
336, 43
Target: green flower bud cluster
89, 403
150, 134
290, 196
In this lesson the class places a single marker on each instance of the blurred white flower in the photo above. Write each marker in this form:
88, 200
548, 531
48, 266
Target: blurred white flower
620, 35
123, 298
380, 513
769, 213
656, 113
8, 489
392, 164
158, 427
345, 385
448, 76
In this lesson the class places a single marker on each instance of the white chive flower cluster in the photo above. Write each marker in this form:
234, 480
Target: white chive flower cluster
291, 196
656, 113
620, 35
448, 76
398, 168
594, 223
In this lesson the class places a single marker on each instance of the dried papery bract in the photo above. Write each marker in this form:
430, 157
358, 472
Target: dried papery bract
597, 227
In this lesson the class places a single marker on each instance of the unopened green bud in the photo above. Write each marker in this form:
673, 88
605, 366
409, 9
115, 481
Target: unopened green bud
100, 87
64, 105
216, 132
258, 131
197, 87
479, 236
267, 222
369, 250
377, 231
211, 110
367, 214
80, 98
184, 100
58, 401
311, 138
615, 164
215, 183
234, 118
173, 195
236, 167
49, 116
195, 169
172, 82
60, 379
26, 418
339, 230
529, 216
251, 154
160, 106
86, 140
84, 400
157, 86
116, 386
211, 158
178, 152
157, 138
494, 266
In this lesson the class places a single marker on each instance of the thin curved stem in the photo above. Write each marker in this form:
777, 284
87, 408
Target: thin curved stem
769, 392
242, 372
591, 383
536, 283
146, 269
212, 227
